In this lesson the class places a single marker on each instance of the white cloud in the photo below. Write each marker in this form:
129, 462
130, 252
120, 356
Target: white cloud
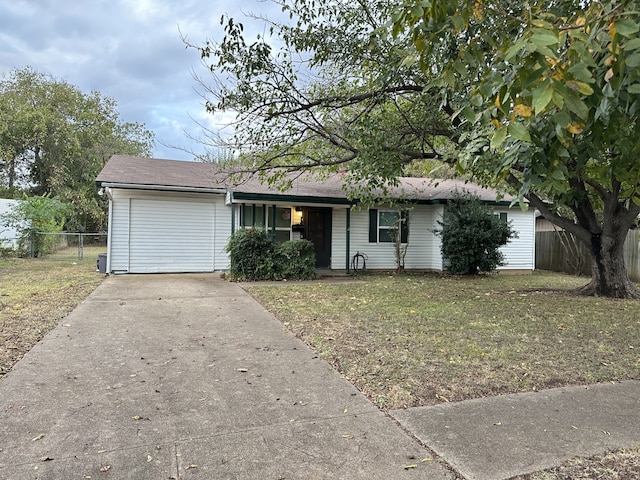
129, 50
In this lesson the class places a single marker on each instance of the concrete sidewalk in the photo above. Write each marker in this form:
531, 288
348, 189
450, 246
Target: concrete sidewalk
501, 437
166, 377
186, 376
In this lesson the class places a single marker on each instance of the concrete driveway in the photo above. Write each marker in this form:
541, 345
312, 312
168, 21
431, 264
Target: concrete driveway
186, 376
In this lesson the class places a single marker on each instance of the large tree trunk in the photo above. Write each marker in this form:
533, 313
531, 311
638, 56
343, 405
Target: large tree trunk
609, 276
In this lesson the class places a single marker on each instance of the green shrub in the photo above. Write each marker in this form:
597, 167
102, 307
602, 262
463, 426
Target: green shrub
472, 235
254, 256
297, 260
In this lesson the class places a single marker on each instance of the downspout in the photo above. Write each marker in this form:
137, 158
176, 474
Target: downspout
109, 232
348, 237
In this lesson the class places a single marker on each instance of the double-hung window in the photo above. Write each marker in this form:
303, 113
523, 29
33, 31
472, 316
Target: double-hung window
383, 225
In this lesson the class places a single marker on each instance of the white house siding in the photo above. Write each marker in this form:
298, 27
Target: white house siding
221, 234
339, 239
423, 252
167, 232
519, 254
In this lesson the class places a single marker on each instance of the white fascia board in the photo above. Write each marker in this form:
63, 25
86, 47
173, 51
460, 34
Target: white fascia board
164, 188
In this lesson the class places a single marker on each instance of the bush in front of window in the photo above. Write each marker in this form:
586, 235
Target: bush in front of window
255, 256
297, 260
252, 255
472, 236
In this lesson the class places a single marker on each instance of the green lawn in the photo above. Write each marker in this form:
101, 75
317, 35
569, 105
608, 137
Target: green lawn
419, 340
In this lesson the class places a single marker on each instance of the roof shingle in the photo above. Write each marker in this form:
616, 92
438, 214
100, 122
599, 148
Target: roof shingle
153, 172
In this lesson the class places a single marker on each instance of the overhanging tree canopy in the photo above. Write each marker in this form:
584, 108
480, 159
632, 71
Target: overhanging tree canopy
540, 96
553, 112
326, 89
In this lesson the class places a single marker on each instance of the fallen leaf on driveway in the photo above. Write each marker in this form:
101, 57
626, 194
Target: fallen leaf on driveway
243, 370
149, 458
409, 467
191, 466
106, 468
39, 437
45, 459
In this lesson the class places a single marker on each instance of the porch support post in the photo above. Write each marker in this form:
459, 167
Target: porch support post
348, 242
273, 222
233, 218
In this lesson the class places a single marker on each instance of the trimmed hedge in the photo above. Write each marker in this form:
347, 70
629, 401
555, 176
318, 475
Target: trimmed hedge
254, 256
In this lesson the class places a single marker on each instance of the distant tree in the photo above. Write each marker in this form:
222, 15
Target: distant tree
54, 139
472, 236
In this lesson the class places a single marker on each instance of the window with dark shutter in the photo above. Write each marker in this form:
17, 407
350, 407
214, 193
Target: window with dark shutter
383, 222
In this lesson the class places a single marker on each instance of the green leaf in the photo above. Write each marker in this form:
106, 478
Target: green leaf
514, 49
498, 137
543, 37
476, 100
633, 60
558, 99
635, 88
583, 88
576, 105
626, 27
581, 72
458, 23
541, 97
460, 68
557, 174
632, 45
449, 77
519, 131
469, 114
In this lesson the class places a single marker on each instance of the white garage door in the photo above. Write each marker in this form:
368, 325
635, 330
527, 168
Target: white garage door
171, 236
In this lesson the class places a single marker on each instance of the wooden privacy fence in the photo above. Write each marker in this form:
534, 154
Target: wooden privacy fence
560, 252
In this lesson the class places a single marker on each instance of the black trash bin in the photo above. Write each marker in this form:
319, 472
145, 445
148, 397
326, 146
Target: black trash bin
101, 264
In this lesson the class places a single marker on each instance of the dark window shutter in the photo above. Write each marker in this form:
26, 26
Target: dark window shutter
404, 226
373, 225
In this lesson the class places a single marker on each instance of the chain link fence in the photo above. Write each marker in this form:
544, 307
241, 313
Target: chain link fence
64, 246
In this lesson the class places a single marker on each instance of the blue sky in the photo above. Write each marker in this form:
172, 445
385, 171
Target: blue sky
128, 50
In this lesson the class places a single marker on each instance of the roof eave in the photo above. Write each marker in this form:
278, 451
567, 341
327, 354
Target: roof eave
274, 197
163, 188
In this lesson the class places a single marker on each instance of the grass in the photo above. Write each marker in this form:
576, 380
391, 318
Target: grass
406, 341
36, 293
618, 465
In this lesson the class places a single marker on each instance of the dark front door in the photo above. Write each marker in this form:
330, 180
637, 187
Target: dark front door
318, 230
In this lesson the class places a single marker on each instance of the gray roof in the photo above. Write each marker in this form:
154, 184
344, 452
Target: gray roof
137, 172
